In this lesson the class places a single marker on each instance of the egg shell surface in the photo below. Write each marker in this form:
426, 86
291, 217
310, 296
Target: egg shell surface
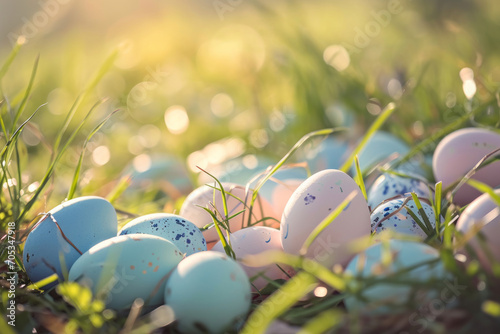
312, 202
255, 240
329, 154
483, 213
390, 185
386, 298
458, 152
181, 232
127, 267
402, 222
85, 221
209, 293
379, 148
201, 197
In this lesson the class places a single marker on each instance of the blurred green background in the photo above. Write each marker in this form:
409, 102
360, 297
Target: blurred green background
207, 81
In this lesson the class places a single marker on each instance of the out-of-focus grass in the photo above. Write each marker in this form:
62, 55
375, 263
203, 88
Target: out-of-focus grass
258, 74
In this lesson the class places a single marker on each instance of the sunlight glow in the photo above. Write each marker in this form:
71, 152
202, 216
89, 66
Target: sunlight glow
101, 155
337, 57
176, 119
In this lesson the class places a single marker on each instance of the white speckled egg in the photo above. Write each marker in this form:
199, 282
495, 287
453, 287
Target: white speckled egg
85, 221
458, 153
255, 240
389, 297
484, 214
204, 195
184, 234
312, 202
380, 147
127, 267
390, 185
209, 293
401, 222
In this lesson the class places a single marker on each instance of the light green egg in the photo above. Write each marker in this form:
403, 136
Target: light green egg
209, 293
413, 277
127, 267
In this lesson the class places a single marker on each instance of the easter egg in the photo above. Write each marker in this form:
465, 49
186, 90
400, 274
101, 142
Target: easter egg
237, 200
181, 232
482, 216
329, 154
165, 172
402, 222
390, 185
457, 153
209, 293
255, 240
379, 148
408, 262
127, 267
312, 202
69, 230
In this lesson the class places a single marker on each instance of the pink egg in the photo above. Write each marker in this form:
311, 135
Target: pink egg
311, 203
253, 241
237, 200
458, 153
482, 214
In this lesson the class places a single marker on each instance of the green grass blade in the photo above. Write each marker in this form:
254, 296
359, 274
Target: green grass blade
26, 96
11, 57
431, 141
43, 282
76, 176
278, 303
421, 211
312, 267
484, 188
326, 222
438, 198
105, 67
384, 115
322, 322
359, 178
283, 160
50, 169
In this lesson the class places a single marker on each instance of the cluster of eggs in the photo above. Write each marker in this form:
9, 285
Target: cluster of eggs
179, 261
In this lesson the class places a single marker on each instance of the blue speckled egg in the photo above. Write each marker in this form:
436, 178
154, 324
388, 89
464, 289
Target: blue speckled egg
390, 185
209, 293
85, 221
127, 267
184, 234
401, 222
392, 296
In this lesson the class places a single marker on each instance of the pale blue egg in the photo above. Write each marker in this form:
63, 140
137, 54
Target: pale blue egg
402, 222
209, 293
126, 267
390, 185
180, 231
329, 154
84, 221
379, 148
396, 282
163, 171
